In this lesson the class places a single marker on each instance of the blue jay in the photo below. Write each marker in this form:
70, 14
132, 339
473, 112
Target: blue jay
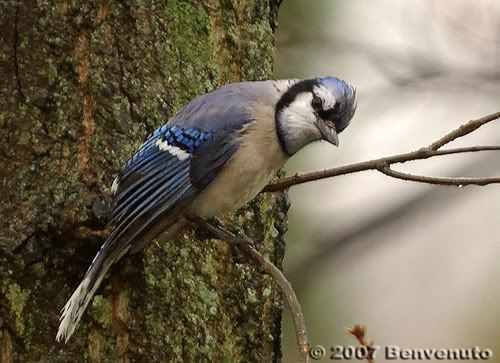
213, 156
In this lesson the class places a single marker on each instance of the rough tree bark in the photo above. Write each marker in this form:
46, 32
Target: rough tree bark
82, 83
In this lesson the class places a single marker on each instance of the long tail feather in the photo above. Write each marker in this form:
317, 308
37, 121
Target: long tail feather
72, 312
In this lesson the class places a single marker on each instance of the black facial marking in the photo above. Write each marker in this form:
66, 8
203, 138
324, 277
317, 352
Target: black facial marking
340, 114
327, 114
290, 95
336, 108
286, 99
335, 115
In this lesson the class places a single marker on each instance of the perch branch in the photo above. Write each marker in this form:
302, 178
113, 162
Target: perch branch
246, 245
383, 164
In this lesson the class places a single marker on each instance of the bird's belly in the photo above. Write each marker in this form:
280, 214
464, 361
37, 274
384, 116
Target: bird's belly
258, 158
231, 190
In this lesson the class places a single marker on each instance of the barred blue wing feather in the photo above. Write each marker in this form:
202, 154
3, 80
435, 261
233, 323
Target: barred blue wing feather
157, 180
177, 140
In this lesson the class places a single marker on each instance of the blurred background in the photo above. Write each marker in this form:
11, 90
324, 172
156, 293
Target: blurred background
418, 264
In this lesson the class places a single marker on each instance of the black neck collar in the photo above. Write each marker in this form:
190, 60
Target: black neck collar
285, 100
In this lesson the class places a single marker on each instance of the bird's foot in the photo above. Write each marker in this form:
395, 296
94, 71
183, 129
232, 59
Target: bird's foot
236, 242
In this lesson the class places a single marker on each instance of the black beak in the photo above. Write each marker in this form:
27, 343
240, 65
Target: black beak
328, 133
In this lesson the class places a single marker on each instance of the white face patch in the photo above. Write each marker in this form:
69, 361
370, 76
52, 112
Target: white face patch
326, 95
299, 123
300, 114
174, 150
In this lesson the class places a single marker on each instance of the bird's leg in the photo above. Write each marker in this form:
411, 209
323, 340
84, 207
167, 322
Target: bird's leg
216, 226
236, 255
235, 245
217, 222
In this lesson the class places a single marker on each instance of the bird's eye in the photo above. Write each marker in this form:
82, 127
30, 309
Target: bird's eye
316, 103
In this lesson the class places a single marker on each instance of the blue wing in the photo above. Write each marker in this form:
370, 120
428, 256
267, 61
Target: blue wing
176, 162
156, 179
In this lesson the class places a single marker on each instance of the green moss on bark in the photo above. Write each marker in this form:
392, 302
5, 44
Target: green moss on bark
85, 82
16, 299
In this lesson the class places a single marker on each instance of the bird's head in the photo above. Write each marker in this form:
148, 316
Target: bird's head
314, 109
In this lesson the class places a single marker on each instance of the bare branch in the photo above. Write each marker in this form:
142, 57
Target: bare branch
459, 182
424, 153
246, 245
463, 130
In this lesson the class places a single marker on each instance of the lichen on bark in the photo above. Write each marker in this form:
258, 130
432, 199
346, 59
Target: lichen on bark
84, 83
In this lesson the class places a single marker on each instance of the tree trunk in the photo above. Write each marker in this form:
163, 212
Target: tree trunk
82, 83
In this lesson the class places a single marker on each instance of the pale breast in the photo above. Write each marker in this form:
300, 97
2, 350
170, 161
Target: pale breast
257, 159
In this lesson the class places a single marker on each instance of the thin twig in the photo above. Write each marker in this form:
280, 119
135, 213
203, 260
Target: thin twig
382, 163
460, 181
359, 332
463, 130
246, 244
